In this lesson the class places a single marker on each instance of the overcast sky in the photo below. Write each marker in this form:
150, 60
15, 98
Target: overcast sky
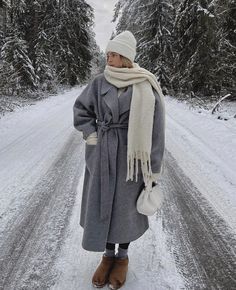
103, 12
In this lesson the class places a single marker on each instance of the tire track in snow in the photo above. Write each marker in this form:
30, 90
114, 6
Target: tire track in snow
205, 168
31, 131
208, 151
151, 265
33, 238
202, 243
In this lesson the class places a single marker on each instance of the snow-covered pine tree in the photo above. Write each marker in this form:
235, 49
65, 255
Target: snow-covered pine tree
71, 39
151, 22
16, 10
98, 60
154, 51
20, 75
195, 48
56, 37
3, 20
44, 62
198, 55
225, 70
17, 72
32, 17
126, 15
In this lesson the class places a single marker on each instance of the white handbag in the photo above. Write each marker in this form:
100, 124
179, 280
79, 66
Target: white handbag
150, 201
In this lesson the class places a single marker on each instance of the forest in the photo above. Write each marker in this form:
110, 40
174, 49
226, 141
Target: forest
45, 44
189, 45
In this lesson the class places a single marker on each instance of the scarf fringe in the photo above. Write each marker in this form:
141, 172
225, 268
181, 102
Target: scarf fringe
145, 159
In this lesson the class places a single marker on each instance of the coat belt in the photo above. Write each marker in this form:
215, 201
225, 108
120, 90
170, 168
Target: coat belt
108, 184
106, 126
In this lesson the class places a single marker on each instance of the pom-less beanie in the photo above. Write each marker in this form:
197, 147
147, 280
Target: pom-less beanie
124, 44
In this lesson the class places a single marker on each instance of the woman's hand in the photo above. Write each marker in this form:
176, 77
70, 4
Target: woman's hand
92, 138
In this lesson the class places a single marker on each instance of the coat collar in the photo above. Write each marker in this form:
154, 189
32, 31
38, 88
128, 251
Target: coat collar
117, 105
106, 86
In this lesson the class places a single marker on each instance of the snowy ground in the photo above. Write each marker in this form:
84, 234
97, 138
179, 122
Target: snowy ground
190, 243
205, 148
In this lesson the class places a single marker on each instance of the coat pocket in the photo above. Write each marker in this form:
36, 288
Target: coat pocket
91, 157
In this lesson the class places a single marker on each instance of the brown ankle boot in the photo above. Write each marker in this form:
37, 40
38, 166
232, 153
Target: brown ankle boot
118, 273
100, 277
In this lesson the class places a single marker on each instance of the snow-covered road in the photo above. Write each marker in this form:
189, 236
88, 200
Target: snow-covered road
190, 243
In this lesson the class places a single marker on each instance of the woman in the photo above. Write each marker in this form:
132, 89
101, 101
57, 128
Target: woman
121, 116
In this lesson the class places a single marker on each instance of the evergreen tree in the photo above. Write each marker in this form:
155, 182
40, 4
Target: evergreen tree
195, 48
152, 25
43, 61
30, 26
16, 10
225, 70
56, 38
127, 16
98, 62
155, 39
70, 39
20, 72
189, 45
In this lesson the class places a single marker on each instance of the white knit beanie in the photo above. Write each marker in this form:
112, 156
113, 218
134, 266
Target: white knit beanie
124, 44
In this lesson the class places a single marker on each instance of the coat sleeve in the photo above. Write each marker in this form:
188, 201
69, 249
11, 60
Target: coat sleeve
158, 137
84, 110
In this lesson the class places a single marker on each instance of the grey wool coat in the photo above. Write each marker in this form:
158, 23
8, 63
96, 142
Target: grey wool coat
108, 207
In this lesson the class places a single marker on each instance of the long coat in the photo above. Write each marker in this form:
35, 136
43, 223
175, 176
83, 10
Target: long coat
108, 208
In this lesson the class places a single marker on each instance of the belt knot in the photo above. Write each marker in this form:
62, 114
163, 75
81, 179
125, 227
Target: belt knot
104, 126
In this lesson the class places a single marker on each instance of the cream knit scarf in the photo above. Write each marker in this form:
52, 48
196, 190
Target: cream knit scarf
141, 116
